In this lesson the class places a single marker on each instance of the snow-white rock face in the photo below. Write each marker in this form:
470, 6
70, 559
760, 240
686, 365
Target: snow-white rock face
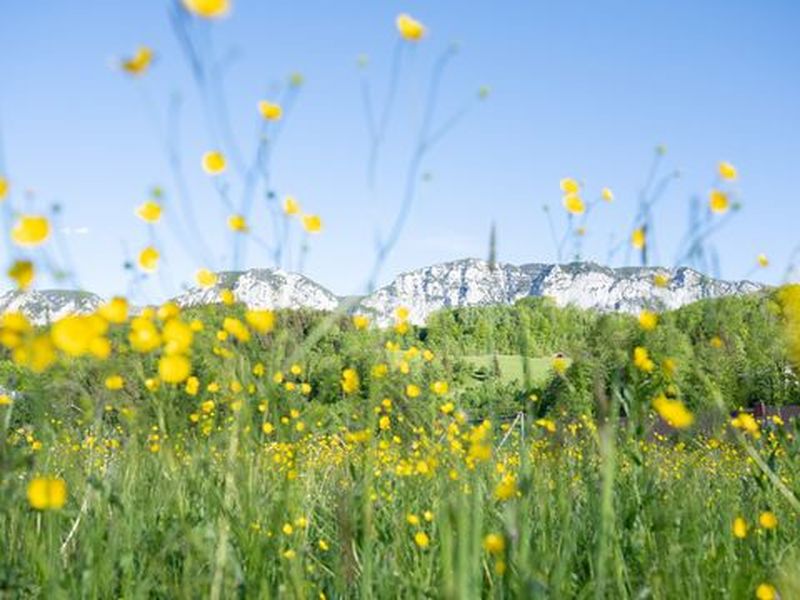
264, 288
43, 306
473, 282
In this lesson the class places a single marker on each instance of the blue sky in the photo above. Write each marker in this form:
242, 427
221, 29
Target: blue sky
578, 88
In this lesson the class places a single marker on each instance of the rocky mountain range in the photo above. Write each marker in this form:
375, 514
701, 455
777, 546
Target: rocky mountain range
467, 282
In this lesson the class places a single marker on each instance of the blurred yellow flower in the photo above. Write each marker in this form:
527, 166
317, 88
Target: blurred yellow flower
762, 260
149, 211
350, 381
494, 543
263, 321
139, 62
47, 493
208, 9
23, 273
574, 204
205, 278
718, 202
421, 539
638, 238
766, 591
360, 321
114, 382
569, 186
412, 391
768, 520
560, 365
673, 411
4, 186
237, 223
660, 280
607, 194
214, 162
641, 359
227, 297
739, 528
291, 206
30, 230
115, 310
270, 111
727, 171
312, 223
648, 320
409, 28
148, 259
174, 368
439, 388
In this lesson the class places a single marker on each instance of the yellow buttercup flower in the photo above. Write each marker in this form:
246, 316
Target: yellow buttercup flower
4, 186
412, 391
47, 493
439, 388
30, 230
673, 412
762, 260
766, 591
115, 310
148, 259
149, 211
569, 186
23, 273
208, 9
115, 382
727, 171
263, 321
409, 28
574, 204
174, 368
350, 381
360, 321
768, 520
139, 63
739, 528
205, 278
648, 320
291, 206
660, 280
312, 223
214, 162
421, 539
641, 359
494, 543
560, 365
237, 223
269, 110
718, 202
638, 238
227, 297
607, 194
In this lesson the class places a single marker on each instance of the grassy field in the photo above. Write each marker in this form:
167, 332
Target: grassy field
512, 367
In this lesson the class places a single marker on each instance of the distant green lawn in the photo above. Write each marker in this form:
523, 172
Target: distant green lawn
511, 366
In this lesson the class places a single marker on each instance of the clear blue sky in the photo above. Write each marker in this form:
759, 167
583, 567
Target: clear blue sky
579, 88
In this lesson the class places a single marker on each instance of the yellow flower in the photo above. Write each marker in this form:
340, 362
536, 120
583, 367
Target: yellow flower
727, 171
447, 408
139, 62
4, 187
739, 528
23, 273
421, 539
291, 206
174, 368
762, 260
205, 278
409, 28
30, 230
267, 428
384, 423
75, 335
312, 223
641, 359
237, 223
673, 412
494, 543
607, 195
47, 493
718, 202
236, 328
115, 382
115, 310
569, 186
716, 342
439, 388
148, 259
768, 520
350, 381
214, 162
574, 204
149, 211
192, 386
660, 280
412, 391
263, 321
177, 336
747, 423
412, 520
270, 111
765, 591
144, 336
227, 297
208, 9
648, 320
638, 238
560, 365
507, 488
360, 321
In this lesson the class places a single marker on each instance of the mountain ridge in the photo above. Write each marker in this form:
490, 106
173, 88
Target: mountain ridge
453, 284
